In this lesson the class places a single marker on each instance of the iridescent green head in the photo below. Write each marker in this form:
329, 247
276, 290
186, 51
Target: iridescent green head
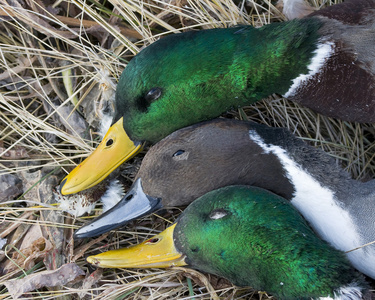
177, 81
186, 78
253, 237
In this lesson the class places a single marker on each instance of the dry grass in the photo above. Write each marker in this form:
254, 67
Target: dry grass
60, 61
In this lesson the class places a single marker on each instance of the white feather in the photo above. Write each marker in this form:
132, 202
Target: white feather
321, 54
350, 292
113, 195
76, 205
81, 203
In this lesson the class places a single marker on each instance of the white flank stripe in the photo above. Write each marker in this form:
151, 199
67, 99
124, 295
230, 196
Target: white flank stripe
315, 202
322, 53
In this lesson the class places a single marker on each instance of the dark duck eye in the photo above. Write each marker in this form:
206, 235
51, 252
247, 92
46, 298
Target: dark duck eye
218, 213
153, 94
178, 153
144, 102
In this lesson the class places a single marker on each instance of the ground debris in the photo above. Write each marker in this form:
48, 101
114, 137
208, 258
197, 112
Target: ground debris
17, 152
10, 187
67, 117
55, 234
32, 249
61, 276
90, 281
200, 279
40, 41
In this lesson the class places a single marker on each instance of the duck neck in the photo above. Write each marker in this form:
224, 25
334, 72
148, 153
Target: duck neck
298, 159
277, 57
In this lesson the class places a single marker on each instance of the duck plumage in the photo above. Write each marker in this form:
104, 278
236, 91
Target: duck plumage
195, 160
324, 61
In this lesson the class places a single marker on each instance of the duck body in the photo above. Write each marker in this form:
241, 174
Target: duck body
324, 61
195, 160
254, 238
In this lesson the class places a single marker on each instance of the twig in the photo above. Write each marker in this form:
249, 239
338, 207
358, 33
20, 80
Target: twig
6, 12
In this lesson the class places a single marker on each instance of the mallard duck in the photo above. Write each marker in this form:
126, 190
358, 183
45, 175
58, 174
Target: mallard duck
195, 160
252, 237
324, 61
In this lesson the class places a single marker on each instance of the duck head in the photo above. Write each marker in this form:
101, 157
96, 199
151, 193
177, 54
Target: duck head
191, 162
249, 236
187, 78
173, 83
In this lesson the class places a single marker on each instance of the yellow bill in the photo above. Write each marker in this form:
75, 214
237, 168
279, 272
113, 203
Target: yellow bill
115, 148
157, 252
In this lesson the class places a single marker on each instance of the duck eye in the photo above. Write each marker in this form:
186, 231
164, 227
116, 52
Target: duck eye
178, 152
180, 155
218, 213
195, 249
144, 102
153, 94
